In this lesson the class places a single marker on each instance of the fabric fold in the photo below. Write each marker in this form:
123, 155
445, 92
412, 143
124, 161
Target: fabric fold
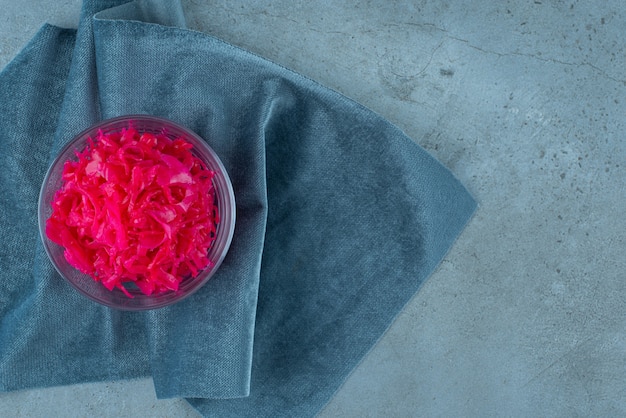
340, 219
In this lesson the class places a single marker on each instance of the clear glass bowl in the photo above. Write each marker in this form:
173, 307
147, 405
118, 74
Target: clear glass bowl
116, 298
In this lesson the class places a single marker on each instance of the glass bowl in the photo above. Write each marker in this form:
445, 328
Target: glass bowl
116, 298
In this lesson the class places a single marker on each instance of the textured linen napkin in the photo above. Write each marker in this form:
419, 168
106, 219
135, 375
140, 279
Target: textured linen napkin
340, 219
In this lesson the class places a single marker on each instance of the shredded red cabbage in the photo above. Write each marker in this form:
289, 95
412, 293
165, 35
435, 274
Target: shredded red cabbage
136, 207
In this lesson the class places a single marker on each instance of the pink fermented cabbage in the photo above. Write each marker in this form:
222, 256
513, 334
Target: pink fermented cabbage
136, 207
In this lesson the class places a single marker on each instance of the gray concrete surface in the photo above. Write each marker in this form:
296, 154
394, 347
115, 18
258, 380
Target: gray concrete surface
526, 103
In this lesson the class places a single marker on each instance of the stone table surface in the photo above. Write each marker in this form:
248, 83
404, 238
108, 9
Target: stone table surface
526, 103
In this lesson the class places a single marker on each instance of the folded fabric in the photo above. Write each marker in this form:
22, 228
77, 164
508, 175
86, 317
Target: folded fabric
340, 219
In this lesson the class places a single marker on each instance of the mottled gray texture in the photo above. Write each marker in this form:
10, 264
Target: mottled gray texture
525, 102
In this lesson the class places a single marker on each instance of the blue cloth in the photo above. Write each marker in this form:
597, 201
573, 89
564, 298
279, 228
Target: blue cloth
340, 219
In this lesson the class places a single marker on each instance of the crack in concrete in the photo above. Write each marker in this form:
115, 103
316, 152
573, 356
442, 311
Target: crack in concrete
539, 58
448, 35
432, 26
